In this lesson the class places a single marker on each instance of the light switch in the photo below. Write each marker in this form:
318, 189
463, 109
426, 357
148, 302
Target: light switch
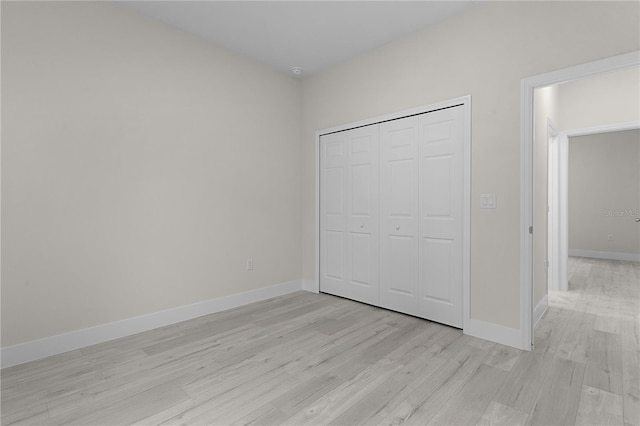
488, 201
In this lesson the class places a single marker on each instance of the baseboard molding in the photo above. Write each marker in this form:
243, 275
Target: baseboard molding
540, 309
310, 285
496, 333
41, 348
611, 255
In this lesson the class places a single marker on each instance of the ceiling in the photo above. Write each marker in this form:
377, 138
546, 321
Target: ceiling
313, 35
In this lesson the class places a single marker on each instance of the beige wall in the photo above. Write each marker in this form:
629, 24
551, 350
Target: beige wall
545, 101
602, 100
485, 53
140, 167
604, 192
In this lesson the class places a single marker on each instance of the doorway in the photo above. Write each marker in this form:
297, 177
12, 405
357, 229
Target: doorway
593, 198
591, 108
529, 232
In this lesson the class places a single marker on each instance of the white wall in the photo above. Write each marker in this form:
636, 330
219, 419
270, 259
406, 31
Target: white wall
485, 53
602, 100
604, 192
140, 167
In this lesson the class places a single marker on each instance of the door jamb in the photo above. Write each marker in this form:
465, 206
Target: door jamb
557, 229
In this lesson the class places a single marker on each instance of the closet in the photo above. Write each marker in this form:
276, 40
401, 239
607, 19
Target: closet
391, 214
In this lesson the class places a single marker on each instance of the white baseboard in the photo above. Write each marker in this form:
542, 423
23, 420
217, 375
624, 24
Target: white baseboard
41, 348
496, 333
612, 255
310, 285
540, 309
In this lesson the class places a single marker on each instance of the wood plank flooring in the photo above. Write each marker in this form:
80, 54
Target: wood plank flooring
318, 359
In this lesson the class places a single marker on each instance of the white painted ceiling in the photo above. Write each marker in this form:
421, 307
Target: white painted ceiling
313, 35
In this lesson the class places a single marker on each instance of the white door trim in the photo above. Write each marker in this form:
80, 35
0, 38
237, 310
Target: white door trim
465, 102
558, 202
608, 128
527, 87
552, 206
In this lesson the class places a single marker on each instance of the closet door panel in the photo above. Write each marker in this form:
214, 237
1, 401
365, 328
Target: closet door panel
399, 278
362, 218
333, 214
441, 193
437, 265
349, 214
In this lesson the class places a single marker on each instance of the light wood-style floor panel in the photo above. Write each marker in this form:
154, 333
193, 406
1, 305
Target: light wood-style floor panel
318, 359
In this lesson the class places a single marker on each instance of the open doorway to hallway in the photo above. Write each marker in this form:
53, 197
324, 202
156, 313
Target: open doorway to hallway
585, 110
604, 195
590, 323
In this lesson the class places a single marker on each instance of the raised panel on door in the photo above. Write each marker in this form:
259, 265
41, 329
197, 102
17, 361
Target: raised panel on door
399, 279
441, 215
362, 214
333, 214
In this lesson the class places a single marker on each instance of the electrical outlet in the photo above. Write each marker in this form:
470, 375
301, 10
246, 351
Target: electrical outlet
249, 263
610, 237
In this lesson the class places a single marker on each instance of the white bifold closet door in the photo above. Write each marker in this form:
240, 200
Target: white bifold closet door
441, 136
406, 231
399, 215
349, 214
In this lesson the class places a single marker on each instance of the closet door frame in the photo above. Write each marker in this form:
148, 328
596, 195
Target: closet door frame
465, 102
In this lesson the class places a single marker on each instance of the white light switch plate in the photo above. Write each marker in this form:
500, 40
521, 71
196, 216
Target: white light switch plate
488, 201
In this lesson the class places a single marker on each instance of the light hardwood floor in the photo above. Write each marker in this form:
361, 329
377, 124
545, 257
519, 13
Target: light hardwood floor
319, 359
